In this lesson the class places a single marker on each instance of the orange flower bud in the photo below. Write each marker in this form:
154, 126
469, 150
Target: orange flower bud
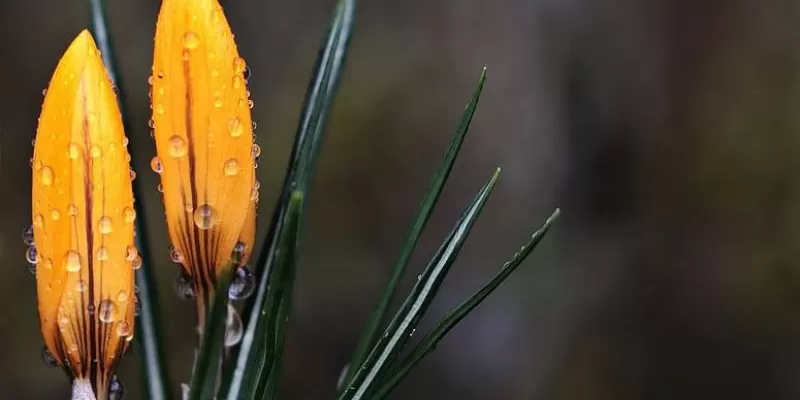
204, 143
83, 220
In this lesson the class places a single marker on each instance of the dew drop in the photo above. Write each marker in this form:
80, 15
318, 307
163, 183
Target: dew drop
123, 328
73, 151
137, 307
46, 175
102, 254
177, 146
128, 215
234, 328
151, 123
104, 225
205, 216
55, 215
243, 284
27, 235
191, 40
235, 127
231, 167
48, 358
254, 125
116, 391
160, 188
237, 82
218, 103
256, 152
132, 173
47, 263
122, 296
73, 261
96, 152
80, 286
31, 255
38, 220
183, 287
159, 108
136, 263
250, 104
107, 311
44, 92
72, 210
175, 255
156, 165
214, 72
239, 65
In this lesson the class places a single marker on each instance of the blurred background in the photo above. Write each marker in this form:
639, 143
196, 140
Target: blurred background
667, 130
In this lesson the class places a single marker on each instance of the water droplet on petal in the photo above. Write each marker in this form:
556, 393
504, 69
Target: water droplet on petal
239, 65
116, 391
237, 82
175, 255
234, 329
73, 151
72, 210
205, 216
38, 220
131, 252
123, 328
256, 151
156, 165
31, 255
243, 284
104, 225
128, 215
159, 108
191, 40
46, 175
55, 215
122, 296
27, 235
48, 358
218, 103
136, 263
80, 286
132, 174
107, 311
250, 104
73, 261
96, 151
177, 146
231, 167
102, 254
235, 127
183, 287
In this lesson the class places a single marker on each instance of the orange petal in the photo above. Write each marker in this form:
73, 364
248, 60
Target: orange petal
83, 218
203, 135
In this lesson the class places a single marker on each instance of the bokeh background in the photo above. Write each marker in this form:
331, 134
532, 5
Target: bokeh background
667, 130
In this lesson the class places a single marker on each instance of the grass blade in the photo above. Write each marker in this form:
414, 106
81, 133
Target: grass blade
148, 329
204, 376
405, 321
249, 358
278, 304
430, 340
417, 226
261, 361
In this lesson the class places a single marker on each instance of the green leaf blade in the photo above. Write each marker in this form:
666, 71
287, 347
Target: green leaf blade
432, 338
430, 199
249, 360
416, 304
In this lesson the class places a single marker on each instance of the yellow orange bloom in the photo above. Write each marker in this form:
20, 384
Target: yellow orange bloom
83, 220
203, 136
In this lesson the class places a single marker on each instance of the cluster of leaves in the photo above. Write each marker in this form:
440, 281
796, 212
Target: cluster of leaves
252, 369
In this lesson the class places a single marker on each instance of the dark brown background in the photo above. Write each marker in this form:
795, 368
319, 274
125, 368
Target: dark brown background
667, 130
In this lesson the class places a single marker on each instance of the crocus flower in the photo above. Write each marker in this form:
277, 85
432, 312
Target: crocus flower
204, 144
83, 222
